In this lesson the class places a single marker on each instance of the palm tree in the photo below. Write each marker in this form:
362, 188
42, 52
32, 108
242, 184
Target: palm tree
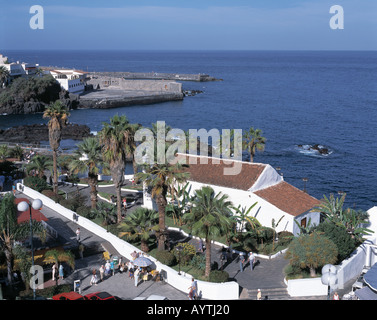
132, 145
58, 115
39, 163
59, 256
105, 211
253, 141
4, 76
140, 224
11, 231
159, 177
209, 218
115, 147
88, 158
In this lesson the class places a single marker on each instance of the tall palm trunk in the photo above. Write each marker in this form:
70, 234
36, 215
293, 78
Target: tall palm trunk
208, 257
55, 173
93, 179
162, 234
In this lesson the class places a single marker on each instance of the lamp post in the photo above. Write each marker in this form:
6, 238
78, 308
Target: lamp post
179, 248
329, 277
23, 206
305, 180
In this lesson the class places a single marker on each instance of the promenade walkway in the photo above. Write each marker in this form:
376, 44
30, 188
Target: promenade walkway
267, 275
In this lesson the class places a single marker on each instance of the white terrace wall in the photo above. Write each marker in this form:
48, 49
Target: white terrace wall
211, 291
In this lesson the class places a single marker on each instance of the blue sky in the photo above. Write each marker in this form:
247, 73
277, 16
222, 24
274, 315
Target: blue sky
189, 25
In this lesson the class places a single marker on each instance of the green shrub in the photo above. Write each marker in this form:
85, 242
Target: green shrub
285, 237
188, 251
86, 212
339, 235
48, 292
69, 204
52, 195
166, 257
199, 261
218, 276
36, 183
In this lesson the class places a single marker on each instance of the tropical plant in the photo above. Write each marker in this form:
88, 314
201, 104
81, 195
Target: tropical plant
159, 177
58, 115
209, 218
184, 252
116, 146
140, 224
59, 256
88, 158
330, 207
176, 208
274, 225
39, 164
23, 262
16, 152
11, 230
253, 141
305, 229
352, 220
242, 217
36, 183
339, 235
4, 151
311, 251
105, 211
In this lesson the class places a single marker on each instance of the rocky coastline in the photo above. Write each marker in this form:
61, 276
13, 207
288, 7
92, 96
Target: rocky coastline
35, 133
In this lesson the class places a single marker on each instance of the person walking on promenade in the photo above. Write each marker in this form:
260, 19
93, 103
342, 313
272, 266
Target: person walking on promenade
193, 290
101, 272
61, 272
54, 270
107, 268
78, 235
259, 295
14, 188
336, 296
136, 275
112, 267
94, 279
241, 261
251, 260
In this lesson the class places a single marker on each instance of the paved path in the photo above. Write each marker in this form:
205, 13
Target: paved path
267, 275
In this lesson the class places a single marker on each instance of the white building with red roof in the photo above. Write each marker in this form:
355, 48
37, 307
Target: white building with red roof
255, 182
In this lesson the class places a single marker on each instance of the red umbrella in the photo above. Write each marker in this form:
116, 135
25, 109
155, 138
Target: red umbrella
23, 216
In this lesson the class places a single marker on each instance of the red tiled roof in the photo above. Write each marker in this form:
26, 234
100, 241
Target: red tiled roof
25, 215
288, 198
213, 173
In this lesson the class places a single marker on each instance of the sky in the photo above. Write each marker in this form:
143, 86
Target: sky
188, 25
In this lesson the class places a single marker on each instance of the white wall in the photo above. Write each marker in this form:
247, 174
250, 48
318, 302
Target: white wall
264, 211
211, 291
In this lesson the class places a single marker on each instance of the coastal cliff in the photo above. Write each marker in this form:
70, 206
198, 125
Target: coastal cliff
32, 95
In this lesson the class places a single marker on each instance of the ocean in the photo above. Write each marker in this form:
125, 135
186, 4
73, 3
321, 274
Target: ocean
295, 97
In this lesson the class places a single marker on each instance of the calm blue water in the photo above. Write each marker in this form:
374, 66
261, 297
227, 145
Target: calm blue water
329, 98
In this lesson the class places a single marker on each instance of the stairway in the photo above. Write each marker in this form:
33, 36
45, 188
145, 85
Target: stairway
267, 294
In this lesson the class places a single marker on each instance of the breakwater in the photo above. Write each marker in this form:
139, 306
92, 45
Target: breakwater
157, 76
